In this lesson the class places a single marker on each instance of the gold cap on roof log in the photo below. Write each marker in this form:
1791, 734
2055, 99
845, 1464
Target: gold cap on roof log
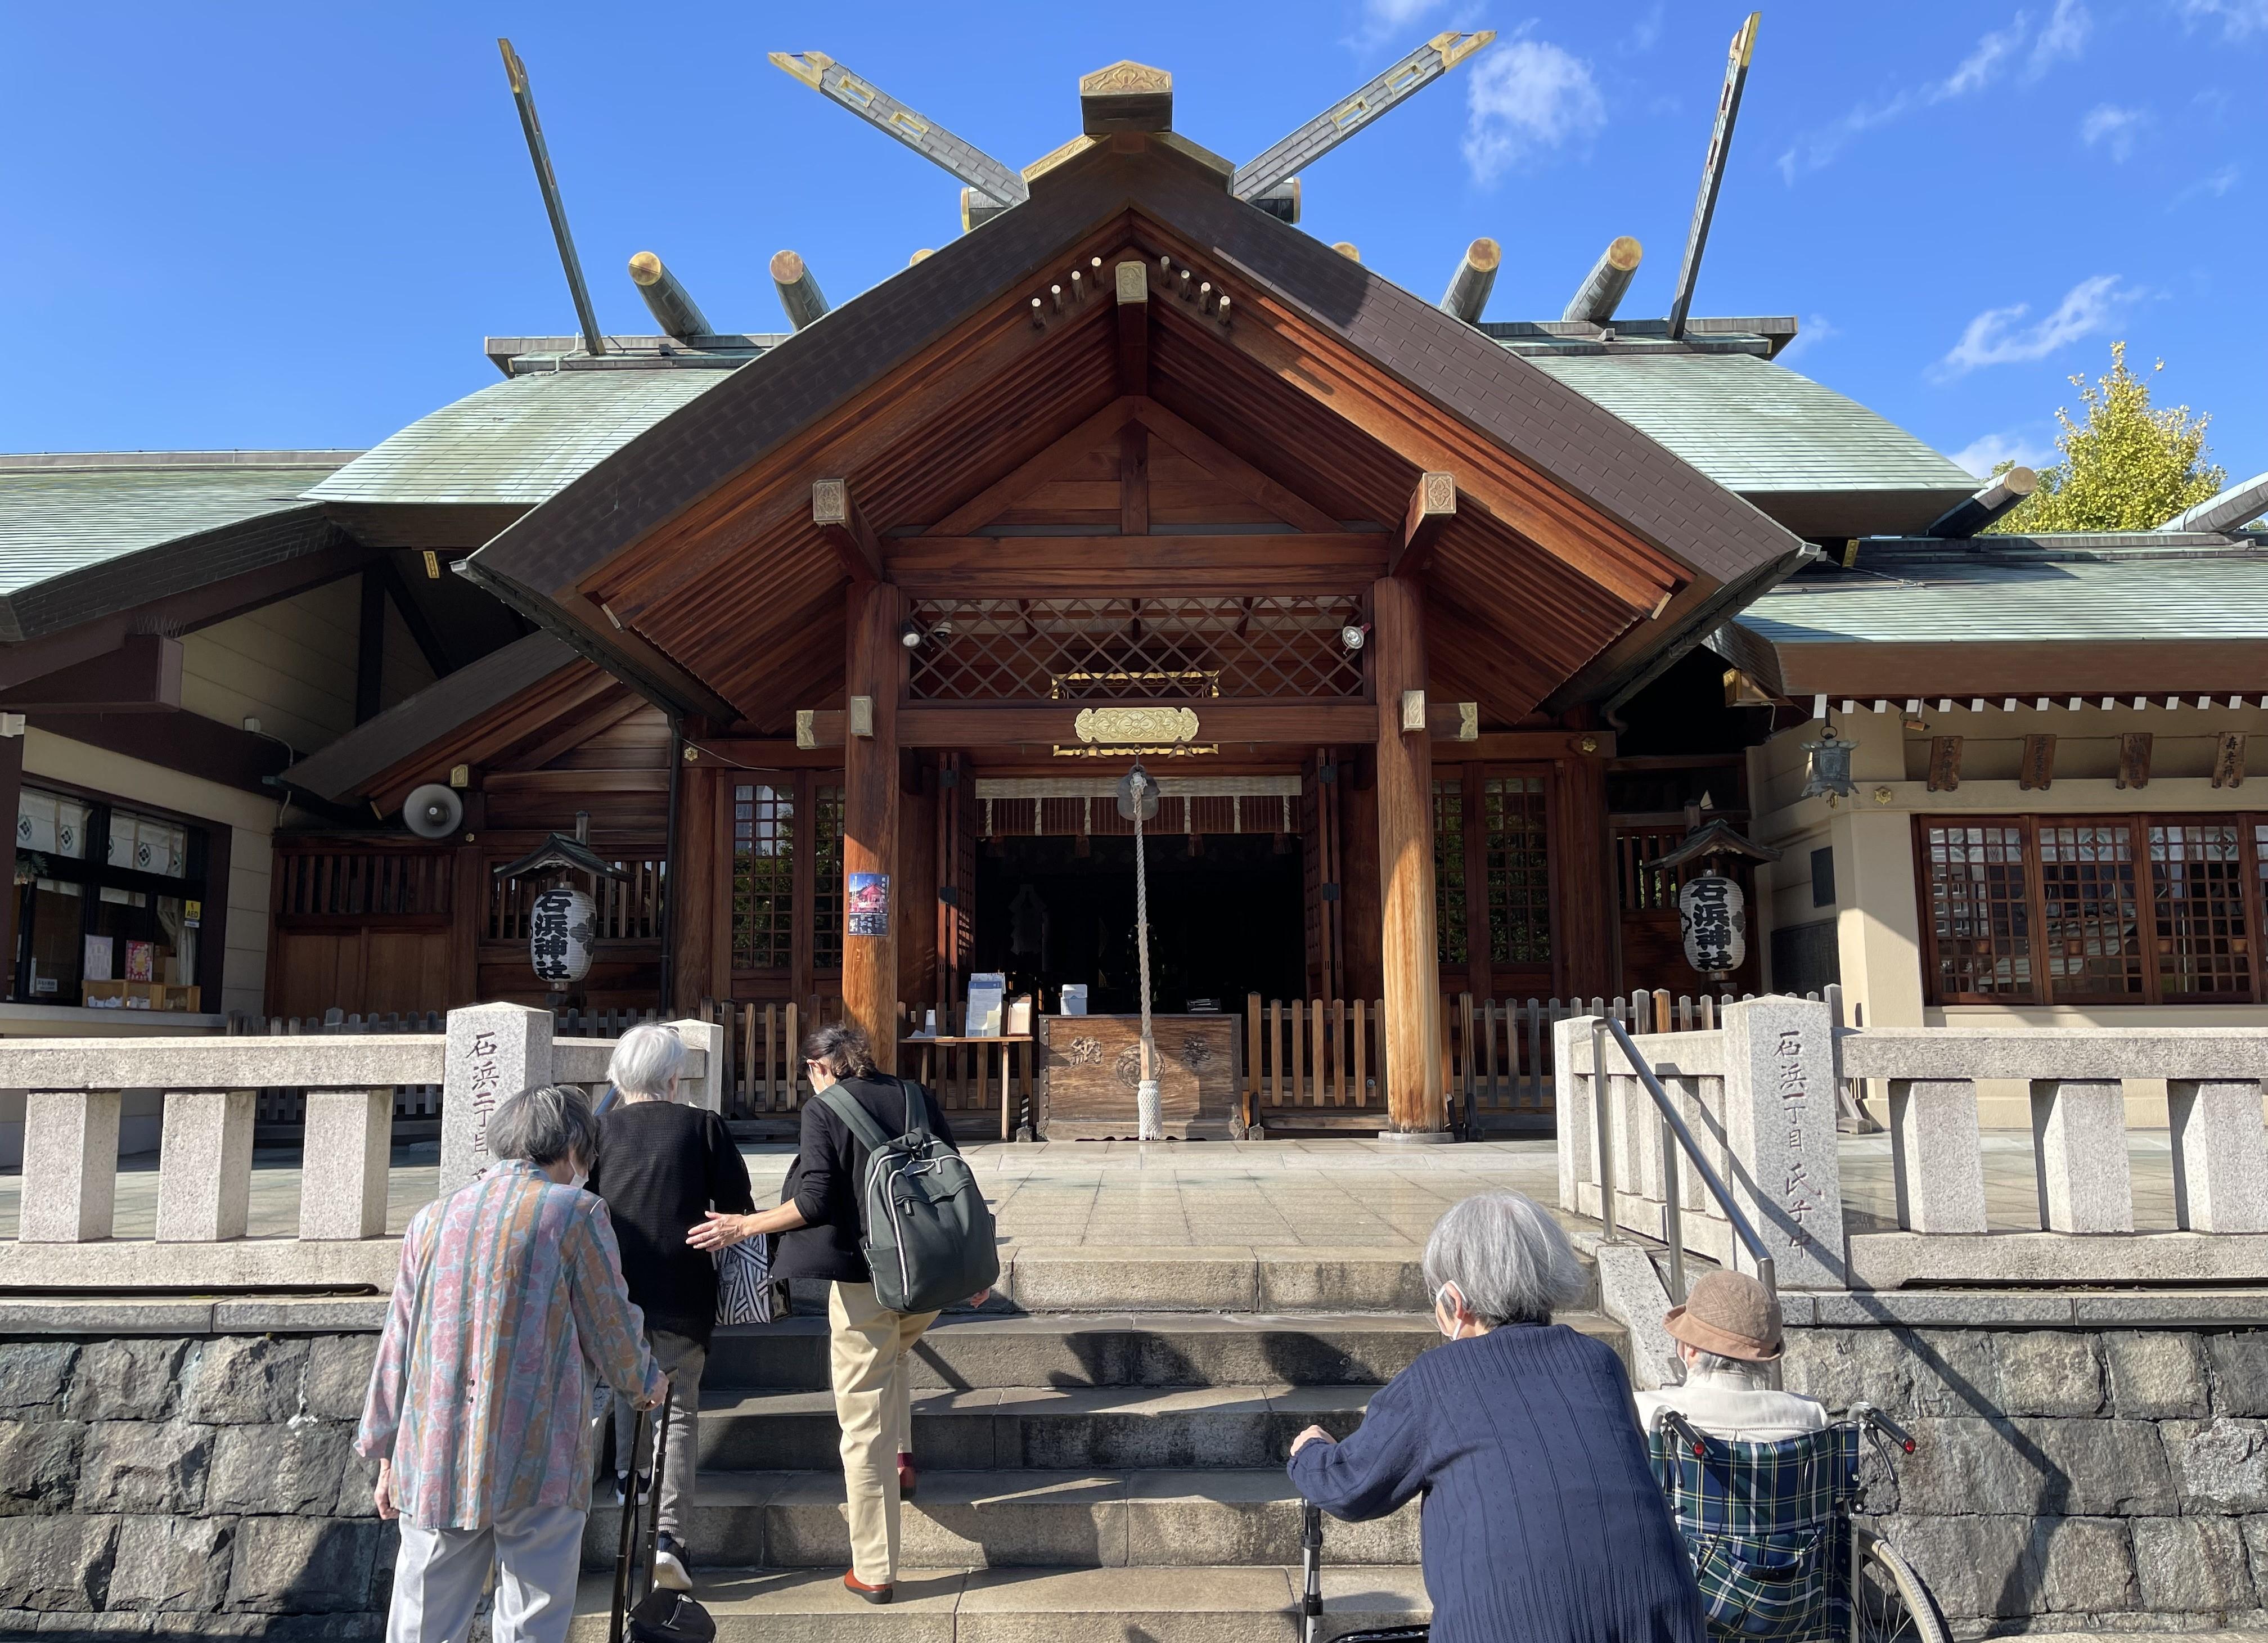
1126, 96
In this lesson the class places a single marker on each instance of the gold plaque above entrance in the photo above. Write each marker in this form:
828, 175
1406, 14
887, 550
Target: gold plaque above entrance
1144, 730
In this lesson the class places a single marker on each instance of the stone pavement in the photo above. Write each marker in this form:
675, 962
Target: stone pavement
1341, 1193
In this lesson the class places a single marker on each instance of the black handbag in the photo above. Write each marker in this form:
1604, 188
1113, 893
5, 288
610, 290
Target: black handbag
655, 1616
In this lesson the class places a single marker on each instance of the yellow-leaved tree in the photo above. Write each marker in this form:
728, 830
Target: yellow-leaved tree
2128, 467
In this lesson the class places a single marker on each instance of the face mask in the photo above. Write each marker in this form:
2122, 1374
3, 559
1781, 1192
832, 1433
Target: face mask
579, 1178
1456, 1330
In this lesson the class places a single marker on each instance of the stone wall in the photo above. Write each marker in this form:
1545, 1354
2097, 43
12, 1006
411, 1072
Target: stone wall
2066, 1479
175, 1486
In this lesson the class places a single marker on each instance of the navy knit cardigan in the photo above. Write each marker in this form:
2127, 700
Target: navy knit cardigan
1543, 1521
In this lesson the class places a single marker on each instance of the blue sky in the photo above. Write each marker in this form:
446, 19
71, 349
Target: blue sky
291, 225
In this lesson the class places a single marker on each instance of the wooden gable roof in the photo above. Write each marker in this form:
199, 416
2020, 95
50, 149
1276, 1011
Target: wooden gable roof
689, 563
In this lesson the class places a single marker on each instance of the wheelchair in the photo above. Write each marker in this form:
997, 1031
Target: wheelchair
1775, 1550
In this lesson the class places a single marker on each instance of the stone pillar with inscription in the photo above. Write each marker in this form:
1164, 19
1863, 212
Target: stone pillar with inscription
1780, 1133
495, 1051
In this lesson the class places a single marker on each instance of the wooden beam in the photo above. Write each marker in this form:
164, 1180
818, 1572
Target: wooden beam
877, 669
1432, 504
1050, 567
1133, 293
572, 782
1134, 480
836, 514
370, 646
1452, 721
1412, 1028
144, 673
1057, 457
997, 724
1233, 470
1508, 746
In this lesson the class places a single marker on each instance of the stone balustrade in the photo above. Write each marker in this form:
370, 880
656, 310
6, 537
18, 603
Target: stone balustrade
73, 1090
1759, 1095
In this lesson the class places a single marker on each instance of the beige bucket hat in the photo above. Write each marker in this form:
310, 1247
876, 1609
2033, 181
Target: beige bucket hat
1729, 1314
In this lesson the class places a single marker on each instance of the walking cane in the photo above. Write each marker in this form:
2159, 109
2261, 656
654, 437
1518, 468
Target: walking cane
627, 1533
1311, 1561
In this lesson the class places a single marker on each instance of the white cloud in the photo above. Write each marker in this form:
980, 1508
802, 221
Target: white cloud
1384, 20
1987, 451
1991, 58
2208, 187
1523, 99
2238, 18
1645, 33
2062, 40
1994, 338
1816, 329
2113, 127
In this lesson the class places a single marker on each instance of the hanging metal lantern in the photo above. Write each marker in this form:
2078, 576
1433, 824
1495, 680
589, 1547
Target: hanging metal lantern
1827, 766
561, 925
1714, 917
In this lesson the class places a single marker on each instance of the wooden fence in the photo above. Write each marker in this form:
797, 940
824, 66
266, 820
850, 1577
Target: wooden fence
765, 1080
1302, 1062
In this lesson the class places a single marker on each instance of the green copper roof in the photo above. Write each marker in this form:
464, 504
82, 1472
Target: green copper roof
2139, 600
517, 441
65, 514
1755, 427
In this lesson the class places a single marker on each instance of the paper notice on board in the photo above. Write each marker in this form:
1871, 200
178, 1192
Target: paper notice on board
987, 992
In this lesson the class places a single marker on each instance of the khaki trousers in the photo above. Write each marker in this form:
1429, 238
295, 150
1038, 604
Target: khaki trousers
874, 1404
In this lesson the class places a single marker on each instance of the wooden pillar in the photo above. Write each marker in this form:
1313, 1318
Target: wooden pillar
1587, 897
1405, 862
11, 787
870, 812
700, 884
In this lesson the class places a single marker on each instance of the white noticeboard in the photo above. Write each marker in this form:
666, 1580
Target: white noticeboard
988, 991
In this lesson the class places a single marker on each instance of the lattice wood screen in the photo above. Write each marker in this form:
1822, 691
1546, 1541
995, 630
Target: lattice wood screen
1276, 646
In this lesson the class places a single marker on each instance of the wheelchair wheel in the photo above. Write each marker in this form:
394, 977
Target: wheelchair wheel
1893, 1606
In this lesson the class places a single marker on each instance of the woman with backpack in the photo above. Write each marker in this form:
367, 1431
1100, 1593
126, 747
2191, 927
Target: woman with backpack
868, 1135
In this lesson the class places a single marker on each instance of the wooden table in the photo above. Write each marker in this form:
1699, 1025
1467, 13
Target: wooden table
929, 1042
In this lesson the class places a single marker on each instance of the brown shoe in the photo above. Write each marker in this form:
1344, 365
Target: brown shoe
871, 1594
907, 1476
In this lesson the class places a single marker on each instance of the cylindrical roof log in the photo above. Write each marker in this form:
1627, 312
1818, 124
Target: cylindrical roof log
798, 291
671, 305
2004, 492
978, 208
1475, 278
1601, 290
1281, 201
1348, 249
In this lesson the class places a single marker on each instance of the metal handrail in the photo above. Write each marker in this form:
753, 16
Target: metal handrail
1674, 1135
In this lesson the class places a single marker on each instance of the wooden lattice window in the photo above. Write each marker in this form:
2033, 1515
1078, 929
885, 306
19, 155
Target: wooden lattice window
1449, 916
764, 875
1980, 909
2141, 909
1276, 646
2197, 868
1518, 854
827, 888
2091, 934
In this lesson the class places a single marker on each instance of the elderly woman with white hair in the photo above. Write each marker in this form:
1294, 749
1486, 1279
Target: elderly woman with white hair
662, 1167
1541, 1516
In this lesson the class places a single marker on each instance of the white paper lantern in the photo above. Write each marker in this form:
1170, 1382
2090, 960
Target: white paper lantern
560, 928
1713, 912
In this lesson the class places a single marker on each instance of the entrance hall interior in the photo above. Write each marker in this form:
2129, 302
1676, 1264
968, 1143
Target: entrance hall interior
1225, 918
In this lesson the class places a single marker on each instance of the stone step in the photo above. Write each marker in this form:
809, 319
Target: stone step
967, 1351
1094, 1518
1038, 1426
1228, 1277
951, 1604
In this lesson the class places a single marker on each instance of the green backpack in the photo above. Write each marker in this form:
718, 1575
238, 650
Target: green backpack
929, 1237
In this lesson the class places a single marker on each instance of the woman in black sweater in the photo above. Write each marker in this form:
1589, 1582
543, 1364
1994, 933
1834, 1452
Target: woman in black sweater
821, 1224
662, 1167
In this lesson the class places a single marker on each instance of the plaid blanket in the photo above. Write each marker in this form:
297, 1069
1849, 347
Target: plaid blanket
1771, 1549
